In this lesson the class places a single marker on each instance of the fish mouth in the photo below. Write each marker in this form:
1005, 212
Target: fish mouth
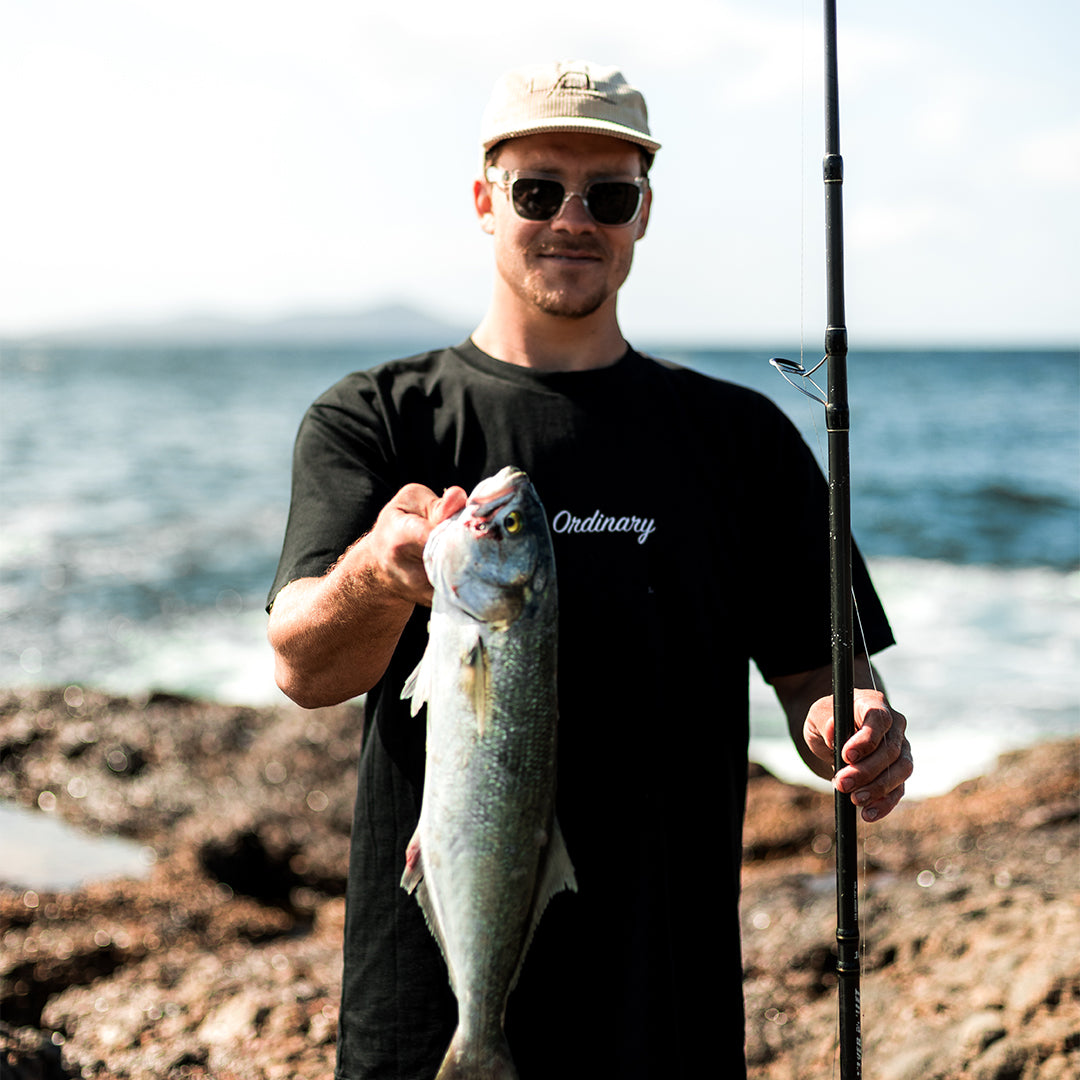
492, 494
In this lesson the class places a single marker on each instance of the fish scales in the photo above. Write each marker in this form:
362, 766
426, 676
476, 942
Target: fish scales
488, 854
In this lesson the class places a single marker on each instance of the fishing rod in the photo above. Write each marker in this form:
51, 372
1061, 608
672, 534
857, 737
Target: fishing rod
848, 965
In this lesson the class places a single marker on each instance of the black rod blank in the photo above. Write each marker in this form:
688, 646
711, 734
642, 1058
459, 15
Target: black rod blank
848, 965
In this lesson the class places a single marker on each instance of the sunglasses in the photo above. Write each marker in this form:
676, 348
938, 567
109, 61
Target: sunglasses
540, 198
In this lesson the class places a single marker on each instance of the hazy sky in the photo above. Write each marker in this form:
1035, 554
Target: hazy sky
163, 157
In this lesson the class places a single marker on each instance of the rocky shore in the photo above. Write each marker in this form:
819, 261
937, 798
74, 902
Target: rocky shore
223, 961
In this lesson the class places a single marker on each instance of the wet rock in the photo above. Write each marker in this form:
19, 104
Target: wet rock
29, 1054
967, 918
168, 769
225, 961
980, 1030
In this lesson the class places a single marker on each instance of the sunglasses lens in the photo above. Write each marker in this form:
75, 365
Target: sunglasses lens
610, 202
613, 202
537, 200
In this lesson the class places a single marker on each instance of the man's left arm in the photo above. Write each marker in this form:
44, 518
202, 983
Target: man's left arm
877, 757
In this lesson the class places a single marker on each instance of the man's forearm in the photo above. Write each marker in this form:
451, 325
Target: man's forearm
333, 636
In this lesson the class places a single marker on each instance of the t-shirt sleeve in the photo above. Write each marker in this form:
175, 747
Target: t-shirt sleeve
342, 476
790, 622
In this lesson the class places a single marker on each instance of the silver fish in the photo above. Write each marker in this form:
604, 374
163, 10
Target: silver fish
487, 854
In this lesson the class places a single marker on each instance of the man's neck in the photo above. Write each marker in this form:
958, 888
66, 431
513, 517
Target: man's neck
552, 343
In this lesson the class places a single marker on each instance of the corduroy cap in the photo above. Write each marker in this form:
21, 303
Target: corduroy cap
570, 95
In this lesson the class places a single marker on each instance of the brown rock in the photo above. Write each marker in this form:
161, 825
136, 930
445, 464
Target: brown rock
225, 961
969, 920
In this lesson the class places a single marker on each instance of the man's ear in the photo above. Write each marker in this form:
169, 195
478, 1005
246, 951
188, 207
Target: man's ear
482, 202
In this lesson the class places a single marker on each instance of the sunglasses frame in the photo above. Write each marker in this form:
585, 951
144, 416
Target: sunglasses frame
506, 178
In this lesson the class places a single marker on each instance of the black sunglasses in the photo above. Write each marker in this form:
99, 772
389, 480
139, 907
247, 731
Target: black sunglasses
540, 198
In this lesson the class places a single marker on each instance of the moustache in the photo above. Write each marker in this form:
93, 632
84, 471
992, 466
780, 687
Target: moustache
582, 246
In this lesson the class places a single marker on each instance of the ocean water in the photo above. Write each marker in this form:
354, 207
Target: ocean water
40, 851
144, 494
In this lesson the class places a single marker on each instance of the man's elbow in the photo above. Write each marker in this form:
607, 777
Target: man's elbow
315, 669
311, 691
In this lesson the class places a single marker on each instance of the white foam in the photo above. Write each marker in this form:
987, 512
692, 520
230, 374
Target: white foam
987, 660
211, 655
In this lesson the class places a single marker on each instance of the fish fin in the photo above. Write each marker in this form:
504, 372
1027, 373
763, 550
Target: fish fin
490, 1061
409, 689
414, 864
558, 869
476, 675
556, 874
418, 685
413, 882
428, 906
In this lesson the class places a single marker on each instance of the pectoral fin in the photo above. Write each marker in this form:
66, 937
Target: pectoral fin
476, 680
418, 685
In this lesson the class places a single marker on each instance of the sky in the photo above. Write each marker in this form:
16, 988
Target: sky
254, 157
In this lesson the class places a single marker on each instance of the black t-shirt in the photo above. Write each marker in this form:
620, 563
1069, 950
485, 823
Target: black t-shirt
690, 530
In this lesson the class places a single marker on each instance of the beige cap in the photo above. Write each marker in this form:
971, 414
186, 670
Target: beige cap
570, 95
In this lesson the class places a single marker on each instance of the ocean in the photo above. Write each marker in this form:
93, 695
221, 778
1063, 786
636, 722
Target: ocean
145, 492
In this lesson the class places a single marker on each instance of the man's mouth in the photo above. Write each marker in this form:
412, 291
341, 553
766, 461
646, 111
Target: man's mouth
570, 254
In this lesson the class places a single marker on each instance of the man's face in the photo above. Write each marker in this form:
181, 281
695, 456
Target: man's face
568, 266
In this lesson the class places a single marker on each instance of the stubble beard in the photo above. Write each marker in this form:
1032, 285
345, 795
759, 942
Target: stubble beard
570, 301
567, 306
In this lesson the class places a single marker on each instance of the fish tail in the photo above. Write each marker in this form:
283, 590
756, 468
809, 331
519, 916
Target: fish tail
465, 1061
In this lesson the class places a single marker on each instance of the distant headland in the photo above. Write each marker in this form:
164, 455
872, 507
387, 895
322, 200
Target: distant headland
384, 323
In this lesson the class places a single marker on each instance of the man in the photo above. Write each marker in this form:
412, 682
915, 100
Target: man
690, 531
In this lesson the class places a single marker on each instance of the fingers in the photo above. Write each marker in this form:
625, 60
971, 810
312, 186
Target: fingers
402, 530
878, 809
879, 797
422, 502
879, 758
453, 499
874, 720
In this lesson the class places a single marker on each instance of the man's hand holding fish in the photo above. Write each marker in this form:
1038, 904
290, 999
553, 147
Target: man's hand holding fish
334, 635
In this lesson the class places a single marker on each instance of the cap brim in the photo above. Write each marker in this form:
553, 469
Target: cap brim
584, 125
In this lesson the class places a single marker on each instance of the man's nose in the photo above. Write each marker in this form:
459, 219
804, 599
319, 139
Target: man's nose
572, 216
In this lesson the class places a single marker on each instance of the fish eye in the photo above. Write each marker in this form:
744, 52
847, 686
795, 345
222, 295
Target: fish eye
513, 522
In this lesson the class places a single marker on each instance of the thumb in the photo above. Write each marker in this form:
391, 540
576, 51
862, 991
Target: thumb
447, 505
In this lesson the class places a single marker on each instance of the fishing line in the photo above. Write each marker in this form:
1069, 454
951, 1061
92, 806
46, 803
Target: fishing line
802, 199
862, 638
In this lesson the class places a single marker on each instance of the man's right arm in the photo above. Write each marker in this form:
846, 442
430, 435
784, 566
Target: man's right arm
333, 636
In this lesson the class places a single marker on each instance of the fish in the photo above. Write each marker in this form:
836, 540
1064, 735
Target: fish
488, 853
